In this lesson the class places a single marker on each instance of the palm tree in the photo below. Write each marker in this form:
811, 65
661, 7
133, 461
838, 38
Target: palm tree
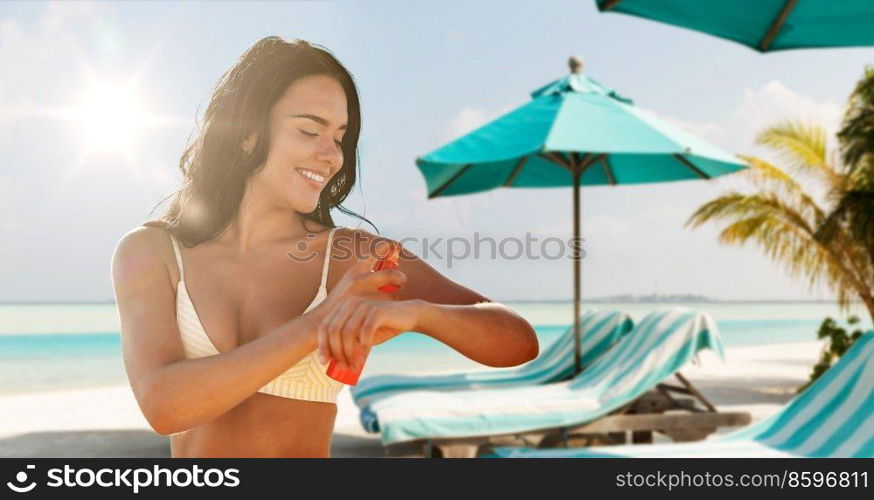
855, 208
790, 224
857, 133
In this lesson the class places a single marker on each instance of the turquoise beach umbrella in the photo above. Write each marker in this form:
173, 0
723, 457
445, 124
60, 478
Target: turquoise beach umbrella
573, 132
764, 25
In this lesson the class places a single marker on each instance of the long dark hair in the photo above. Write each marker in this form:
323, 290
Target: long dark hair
215, 170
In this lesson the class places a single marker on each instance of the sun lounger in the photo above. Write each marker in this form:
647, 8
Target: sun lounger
833, 418
599, 330
626, 380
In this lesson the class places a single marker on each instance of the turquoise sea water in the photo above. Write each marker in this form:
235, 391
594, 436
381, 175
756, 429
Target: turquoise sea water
66, 346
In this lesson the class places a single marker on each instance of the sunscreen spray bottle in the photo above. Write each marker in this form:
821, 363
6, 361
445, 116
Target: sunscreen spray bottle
349, 376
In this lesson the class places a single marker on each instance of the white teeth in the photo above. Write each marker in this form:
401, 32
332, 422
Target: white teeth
312, 175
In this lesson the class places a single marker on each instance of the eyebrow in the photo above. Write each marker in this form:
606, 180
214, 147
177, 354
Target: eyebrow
317, 119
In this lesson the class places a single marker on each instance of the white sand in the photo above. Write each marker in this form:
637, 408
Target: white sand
106, 422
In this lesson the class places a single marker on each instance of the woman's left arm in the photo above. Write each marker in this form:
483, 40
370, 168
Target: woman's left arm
485, 331
432, 304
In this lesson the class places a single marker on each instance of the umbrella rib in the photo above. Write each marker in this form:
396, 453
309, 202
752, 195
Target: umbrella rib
609, 4
562, 158
515, 173
693, 168
576, 160
587, 161
608, 170
574, 166
765, 44
554, 158
446, 184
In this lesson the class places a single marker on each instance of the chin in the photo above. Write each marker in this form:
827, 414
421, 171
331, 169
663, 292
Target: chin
304, 207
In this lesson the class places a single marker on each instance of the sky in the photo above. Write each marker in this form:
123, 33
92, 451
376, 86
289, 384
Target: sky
427, 72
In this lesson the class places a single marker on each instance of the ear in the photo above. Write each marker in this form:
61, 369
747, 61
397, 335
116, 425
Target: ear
249, 143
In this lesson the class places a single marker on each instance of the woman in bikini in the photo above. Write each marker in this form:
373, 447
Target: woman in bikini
235, 300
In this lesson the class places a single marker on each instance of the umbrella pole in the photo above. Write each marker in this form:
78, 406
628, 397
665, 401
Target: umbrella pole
577, 278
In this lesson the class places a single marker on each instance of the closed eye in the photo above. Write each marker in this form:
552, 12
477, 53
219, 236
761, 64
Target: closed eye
316, 134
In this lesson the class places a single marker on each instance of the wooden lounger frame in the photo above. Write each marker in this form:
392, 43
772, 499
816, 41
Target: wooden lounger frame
694, 418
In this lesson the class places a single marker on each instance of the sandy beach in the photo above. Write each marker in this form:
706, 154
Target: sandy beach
106, 422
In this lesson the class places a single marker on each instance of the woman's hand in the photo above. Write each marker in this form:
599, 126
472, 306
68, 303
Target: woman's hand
354, 298
353, 328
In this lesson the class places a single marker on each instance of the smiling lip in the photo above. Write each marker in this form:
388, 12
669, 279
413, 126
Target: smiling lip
313, 182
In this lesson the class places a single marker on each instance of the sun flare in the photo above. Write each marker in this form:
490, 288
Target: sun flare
111, 119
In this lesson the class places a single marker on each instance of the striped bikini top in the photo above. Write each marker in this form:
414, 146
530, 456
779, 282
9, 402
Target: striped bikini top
306, 380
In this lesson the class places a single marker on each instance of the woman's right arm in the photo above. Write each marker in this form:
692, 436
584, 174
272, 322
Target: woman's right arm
175, 393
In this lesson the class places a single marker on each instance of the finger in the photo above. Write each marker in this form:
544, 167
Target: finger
381, 249
368, 283
351, 333
325, 335
335, 347
367, 264
323, 343
369, 326
368, 329
365, 340
335, 332
381, 278
358, 272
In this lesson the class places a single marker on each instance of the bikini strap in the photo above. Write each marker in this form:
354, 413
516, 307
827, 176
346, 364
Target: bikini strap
327, 259
178, 258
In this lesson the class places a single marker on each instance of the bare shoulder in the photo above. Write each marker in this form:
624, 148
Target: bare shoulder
143, 255
350, 245
365, 243
423, 281
357, 243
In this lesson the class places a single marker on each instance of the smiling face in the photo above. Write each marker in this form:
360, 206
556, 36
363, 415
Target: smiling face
307, 125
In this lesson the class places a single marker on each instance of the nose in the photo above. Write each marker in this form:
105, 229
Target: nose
330, 154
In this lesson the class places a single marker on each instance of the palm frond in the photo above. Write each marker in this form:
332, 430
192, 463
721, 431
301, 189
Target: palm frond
803, 147
857, 131
830, 244
785, 235
770, 178
766, 175
855, 211
735, 205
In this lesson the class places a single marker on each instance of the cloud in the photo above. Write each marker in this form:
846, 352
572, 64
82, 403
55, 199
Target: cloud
757, 109
705, 130
466, 120
775, 101
470, 119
